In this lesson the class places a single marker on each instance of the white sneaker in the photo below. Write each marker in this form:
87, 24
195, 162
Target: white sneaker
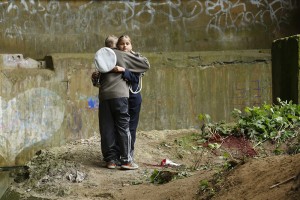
131, 165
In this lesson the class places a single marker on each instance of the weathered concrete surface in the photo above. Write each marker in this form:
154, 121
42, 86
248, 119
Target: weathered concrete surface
39, 28
4, 182
285, 68
180, 86
48, 106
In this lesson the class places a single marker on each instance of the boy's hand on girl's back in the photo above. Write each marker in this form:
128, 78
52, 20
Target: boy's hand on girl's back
95, 77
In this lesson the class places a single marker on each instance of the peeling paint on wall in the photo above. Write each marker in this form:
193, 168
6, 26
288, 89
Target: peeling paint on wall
18, 61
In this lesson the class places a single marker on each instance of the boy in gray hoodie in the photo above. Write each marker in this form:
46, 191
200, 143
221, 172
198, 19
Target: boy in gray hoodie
113, 109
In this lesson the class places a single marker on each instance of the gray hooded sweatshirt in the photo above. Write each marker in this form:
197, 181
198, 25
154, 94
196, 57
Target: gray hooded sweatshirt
112, 84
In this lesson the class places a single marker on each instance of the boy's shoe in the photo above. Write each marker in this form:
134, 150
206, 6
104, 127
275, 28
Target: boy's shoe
111, 165
130, 165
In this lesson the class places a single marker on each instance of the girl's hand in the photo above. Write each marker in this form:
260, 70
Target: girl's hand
118, 69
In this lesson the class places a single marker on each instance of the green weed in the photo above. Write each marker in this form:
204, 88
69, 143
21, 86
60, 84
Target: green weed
275, 123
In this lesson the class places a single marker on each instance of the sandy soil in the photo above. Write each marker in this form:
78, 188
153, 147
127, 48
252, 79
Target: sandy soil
76, 171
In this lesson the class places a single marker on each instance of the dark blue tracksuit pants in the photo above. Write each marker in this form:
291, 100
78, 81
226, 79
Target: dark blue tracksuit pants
135, 102
114, 130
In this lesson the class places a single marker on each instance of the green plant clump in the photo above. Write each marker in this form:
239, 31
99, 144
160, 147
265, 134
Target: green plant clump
276, 123
165, 176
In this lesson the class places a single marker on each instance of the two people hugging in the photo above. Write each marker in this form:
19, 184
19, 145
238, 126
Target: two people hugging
119, 100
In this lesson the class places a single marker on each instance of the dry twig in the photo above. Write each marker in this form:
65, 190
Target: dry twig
285, 181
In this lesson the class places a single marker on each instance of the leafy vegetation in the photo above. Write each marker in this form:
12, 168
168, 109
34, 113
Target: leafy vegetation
207, 188
278, 124
165, 176
275, 123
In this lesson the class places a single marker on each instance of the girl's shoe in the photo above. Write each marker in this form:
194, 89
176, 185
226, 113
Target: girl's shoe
130, 165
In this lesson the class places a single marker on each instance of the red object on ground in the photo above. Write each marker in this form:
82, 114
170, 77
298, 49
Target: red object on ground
241, 144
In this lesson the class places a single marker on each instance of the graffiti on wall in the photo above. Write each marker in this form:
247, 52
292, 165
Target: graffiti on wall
58, 16
93, 102
235, 15
28, 119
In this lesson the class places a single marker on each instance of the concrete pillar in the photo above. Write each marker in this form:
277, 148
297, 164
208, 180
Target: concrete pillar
285, 69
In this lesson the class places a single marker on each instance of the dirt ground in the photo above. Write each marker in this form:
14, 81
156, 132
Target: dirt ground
76, 171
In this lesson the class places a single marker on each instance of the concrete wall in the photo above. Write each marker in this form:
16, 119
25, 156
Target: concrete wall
48, 106
39, 28
285, 68
180, 86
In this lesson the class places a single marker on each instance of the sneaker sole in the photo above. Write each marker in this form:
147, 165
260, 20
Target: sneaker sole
111, 166
129, 168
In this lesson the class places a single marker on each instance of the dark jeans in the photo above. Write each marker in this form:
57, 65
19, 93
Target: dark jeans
114, 129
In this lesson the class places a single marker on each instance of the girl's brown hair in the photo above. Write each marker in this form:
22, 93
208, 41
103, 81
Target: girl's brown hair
121, 37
